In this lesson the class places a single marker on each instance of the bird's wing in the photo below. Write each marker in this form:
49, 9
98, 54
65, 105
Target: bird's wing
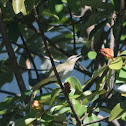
60, 69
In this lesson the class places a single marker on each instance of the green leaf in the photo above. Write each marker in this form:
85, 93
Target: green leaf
97, 28
116, 64
60, 118
123, 53
118, 111
74, 5
13, 31
64, 1
116, 3
23, 9
4, 2
20, 122
84, 51
54, 94
28, 119
95, 74
6, 74
121, 76
75, 84
47, 118
92, 54
79, 108
91, 117
64, 110
59, 7
124, 116
94, 18
44, 99
29, 5
17, 5
92, 97
55, 108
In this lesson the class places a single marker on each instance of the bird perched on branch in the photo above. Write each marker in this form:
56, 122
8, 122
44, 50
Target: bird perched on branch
63, 70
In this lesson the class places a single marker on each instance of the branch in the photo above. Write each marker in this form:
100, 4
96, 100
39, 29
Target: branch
54, 68
63, 122
10, 93
11, 54
120, 26
88, 113
96, 121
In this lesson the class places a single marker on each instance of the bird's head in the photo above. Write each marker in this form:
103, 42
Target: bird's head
73, 59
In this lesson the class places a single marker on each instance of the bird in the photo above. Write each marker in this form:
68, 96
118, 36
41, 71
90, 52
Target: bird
64, 70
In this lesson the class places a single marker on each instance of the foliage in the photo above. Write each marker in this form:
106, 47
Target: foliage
69, 26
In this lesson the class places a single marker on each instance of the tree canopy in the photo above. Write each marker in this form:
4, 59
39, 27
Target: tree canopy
52, 31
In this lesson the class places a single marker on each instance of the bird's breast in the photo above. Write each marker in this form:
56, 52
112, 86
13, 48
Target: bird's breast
66, 73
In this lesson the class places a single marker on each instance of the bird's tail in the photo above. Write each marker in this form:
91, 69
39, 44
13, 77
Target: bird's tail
39, 84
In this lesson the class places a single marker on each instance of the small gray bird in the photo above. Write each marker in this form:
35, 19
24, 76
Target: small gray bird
63, 70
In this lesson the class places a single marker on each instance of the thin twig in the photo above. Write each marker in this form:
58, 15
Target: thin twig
96, 121
54, 68
63, 122
10, 93
88, 113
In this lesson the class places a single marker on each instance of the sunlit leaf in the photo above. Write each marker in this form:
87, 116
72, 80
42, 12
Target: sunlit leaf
64, 1
120, 77
75, 84
124, 116
29, 120
23, 9
117, 111
58, 7
82, 109
92, 97
92, 54
116, 64
54, 94
123, 53
17, 5
57, 107
95, 74
91, 117
64, 110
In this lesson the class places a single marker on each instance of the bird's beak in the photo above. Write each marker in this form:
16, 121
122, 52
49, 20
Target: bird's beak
79, 56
